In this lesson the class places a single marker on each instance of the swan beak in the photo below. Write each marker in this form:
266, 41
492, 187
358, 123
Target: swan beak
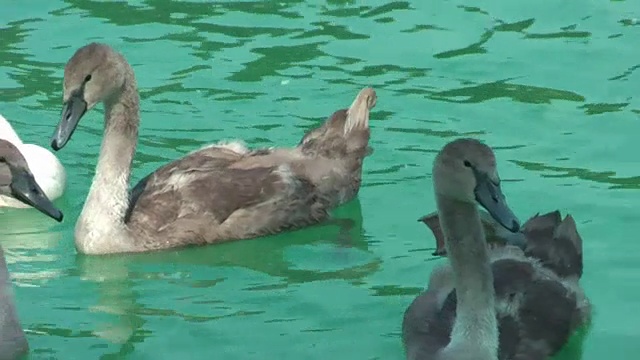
25, 188
490, 196
72, 112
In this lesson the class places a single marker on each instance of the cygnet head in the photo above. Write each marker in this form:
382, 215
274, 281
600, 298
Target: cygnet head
95, 73
17, 181
465, 170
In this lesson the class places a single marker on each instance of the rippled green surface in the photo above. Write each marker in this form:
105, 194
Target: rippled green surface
552, 85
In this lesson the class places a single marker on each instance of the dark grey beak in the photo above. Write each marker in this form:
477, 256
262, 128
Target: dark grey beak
72, 112
490, 196
25, 189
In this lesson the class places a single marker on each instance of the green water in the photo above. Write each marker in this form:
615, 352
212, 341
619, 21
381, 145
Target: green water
551, 85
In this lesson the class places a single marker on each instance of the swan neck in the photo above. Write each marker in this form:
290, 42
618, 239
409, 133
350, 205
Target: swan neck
475, 325
101, 227
12, 339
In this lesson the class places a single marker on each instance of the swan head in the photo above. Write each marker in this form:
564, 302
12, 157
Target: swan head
465, 170
17, 181
95, 73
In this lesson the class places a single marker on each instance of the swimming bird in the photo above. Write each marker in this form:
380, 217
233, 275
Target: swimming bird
16, 182
219, 193
486, 304
46, 168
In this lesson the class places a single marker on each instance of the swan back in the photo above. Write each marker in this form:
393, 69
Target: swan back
263, 191
554, 241
7, 132
496, 234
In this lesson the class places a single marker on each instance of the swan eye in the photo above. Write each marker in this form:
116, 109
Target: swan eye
87, 78
467, 163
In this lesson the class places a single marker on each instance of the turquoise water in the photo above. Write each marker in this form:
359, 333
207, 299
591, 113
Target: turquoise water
551, 85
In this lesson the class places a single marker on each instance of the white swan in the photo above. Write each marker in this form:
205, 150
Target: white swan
46, 168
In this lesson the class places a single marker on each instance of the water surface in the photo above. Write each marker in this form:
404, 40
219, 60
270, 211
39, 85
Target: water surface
551, 85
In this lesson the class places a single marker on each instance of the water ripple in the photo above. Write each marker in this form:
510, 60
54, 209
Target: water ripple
548, 84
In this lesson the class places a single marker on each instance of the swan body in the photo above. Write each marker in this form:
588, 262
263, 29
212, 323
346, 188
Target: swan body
18, 183
45, 166
548, 238
222, 192
491, 302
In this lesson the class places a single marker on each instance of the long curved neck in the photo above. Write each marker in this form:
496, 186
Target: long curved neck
475, 326
101, 227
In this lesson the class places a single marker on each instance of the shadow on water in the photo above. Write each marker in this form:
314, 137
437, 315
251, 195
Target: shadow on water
574, 348
505, 89
116, 298
30, 238
116, 277
604, 177
198, 20
34, 77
